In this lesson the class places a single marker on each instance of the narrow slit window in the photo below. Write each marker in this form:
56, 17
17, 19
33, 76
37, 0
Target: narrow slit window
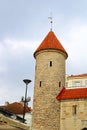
74, 109
40, 83
50, 63
59, 84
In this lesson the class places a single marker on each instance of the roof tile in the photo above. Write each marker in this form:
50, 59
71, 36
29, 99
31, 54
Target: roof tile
51, 42
16, 108
72, 93
79, 75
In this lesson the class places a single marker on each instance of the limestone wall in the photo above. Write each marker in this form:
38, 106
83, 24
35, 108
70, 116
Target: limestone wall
46, 108
71, 119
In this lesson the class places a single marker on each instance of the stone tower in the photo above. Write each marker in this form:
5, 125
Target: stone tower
49, 79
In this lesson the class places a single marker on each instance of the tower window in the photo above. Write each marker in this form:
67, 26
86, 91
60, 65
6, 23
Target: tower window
74, 109
40, 83
50, 63
59, 84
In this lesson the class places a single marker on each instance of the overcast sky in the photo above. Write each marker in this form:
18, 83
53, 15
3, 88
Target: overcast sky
23, 26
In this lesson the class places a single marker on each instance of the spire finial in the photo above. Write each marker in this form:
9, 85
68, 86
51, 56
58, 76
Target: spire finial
51, 21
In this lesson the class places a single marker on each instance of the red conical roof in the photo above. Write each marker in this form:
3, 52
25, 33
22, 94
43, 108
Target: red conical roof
51, 42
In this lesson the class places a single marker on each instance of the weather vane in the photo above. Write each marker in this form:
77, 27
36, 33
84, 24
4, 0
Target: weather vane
51, 21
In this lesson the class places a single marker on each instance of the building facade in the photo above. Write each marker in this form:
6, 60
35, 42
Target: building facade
75, 81
56, 107
73, 108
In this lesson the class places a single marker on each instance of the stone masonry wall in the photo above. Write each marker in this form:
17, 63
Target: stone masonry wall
70, 120
46, 109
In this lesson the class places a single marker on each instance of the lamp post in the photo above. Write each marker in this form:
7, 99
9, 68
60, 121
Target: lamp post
26, 81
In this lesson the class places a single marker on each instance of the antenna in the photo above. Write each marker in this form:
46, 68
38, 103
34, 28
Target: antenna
51, 21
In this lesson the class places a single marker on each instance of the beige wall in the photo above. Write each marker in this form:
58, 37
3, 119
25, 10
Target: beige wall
11, 124
71, 121
46, 107
70, 81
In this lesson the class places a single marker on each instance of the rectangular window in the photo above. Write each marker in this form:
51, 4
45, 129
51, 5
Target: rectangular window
40, 83
66, 84
59, 84
50, 63
77, 83
74, 109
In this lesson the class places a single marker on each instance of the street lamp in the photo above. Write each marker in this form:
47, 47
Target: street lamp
26, 81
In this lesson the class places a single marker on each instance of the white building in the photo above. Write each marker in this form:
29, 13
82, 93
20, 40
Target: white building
74, 81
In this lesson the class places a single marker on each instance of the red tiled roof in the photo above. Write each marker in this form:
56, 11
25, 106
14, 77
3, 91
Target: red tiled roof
72, 93
51, 42
79, 75
16, 108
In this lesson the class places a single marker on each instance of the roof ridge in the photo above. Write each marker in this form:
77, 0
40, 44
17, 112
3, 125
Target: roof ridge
77, 75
